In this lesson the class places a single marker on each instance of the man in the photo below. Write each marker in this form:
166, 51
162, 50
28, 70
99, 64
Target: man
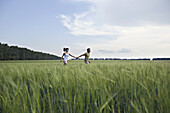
87, 55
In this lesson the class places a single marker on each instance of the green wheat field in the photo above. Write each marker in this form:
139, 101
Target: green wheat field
100, 87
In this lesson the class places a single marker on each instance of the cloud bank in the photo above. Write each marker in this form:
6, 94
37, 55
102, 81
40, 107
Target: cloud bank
123, 50
141, 26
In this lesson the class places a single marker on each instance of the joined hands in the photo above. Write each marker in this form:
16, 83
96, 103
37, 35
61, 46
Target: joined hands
77, 57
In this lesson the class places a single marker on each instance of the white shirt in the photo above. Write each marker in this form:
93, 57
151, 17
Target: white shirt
66, 56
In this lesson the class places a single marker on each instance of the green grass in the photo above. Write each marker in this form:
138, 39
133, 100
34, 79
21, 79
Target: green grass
102, 86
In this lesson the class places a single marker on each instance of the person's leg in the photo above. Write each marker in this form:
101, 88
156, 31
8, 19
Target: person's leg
86, 62
65, 62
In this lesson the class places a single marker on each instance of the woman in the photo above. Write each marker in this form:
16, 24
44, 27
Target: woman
66, 55
87, 55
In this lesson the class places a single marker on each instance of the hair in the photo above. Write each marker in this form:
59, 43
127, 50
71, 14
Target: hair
65, 49
88, 49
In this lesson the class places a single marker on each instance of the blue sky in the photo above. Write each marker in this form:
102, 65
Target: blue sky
112, 28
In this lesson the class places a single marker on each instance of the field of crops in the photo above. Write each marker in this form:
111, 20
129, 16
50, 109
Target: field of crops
102, 86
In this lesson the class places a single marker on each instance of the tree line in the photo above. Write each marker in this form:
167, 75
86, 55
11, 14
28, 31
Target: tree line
16, 53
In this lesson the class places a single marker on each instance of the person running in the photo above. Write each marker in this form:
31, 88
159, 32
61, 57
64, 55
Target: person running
66, 55
87, 55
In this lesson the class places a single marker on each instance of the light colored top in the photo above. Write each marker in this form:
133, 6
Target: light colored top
87, 55
66, 55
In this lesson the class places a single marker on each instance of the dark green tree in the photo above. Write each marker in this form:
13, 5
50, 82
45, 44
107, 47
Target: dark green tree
17, 53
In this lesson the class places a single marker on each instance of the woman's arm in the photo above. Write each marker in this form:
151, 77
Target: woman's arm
62, 56
72, 56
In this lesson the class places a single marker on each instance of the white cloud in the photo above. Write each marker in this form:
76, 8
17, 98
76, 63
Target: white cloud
80, 26
141, 27
142, 41
123, 50
110, 17
130, 12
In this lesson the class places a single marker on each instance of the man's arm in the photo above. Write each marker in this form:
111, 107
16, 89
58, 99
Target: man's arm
81, 55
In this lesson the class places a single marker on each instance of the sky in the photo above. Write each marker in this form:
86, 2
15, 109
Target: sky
111, 28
